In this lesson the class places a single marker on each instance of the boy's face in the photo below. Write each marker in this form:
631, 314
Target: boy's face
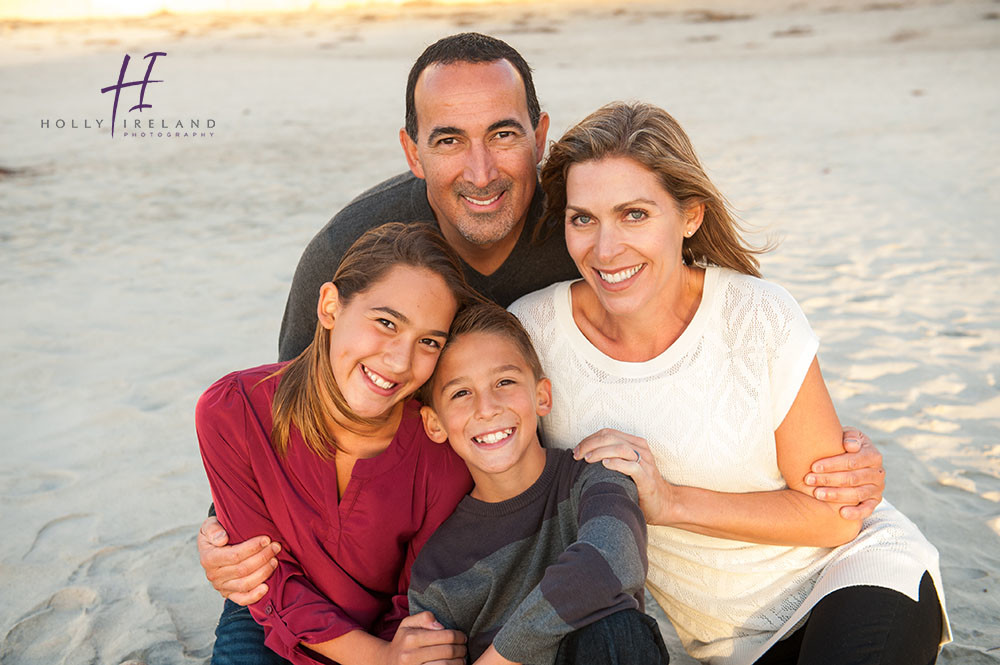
486, 402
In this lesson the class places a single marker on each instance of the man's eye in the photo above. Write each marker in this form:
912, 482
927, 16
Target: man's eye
450, 140
505, 134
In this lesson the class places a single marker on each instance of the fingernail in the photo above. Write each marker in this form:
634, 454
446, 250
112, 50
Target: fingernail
274, 563
275, 547
587, 457
810, 479
216, 538
818, 468
437, 626
264, 542
820, 494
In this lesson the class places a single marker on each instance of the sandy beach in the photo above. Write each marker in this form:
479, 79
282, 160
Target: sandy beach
137, 269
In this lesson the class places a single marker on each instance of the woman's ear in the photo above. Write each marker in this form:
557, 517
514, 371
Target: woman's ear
329, 305
432, 425
693, 217
543, 397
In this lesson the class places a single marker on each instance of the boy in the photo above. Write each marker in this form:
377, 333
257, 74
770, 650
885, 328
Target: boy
545, 560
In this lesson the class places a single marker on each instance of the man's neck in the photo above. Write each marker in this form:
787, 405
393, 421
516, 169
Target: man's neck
484, 259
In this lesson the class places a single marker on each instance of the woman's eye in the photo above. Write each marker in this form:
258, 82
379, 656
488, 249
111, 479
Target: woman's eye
580, 220
635, 215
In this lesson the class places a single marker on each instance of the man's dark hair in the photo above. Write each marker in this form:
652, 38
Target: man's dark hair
468, 47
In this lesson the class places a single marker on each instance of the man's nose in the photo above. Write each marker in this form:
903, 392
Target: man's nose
480, 165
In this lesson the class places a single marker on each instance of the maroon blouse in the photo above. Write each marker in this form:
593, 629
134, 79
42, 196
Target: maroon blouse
344, 565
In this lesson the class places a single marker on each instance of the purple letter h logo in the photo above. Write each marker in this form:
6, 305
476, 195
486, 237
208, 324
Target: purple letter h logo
142, 91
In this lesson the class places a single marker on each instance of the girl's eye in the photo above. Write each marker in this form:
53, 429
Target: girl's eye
432, 343
386, 323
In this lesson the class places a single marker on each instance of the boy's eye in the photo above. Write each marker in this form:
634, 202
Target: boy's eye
505, 382
459, 393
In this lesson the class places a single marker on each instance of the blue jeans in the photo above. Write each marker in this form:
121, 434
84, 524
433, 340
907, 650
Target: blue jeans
623, 638
239, 640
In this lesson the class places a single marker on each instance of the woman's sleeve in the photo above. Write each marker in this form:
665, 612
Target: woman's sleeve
446, 481
792, 345
602, 572
293, 610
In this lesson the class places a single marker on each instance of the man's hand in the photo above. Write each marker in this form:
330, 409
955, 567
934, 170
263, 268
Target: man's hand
237, 572
856, 477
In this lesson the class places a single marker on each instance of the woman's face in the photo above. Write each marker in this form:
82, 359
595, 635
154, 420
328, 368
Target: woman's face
625, 232
385, 342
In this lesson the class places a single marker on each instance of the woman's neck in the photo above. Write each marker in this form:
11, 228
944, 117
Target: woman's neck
365, 441
646, 333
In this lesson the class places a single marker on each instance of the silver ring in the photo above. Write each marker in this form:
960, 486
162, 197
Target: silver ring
638, 457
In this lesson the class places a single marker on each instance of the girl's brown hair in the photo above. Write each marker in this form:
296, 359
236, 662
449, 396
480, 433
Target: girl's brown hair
308, 395
650, 136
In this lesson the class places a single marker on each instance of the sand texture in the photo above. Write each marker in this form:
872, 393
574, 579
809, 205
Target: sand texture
865, 136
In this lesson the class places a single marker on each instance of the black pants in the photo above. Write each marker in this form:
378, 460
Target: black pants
865, 625
623, 638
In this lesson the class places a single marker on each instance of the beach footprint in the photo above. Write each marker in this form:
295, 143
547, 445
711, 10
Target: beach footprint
60, 626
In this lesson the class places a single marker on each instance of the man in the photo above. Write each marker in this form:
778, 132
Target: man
474, 135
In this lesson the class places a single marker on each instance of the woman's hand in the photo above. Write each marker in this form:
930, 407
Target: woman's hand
237, 572
421, 639
855, 477
630, 455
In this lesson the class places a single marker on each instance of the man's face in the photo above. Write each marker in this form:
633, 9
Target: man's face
476, 149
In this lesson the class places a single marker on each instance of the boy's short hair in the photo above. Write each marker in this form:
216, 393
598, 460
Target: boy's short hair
486, 317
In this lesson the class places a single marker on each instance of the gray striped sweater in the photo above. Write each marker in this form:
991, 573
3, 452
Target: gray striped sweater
525, 572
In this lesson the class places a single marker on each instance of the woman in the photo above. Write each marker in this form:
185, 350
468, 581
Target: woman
672, 337
326, 454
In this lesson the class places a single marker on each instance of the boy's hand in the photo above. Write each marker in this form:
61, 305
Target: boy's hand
855, 477
630, 455
492, 657
237, 572
421, 639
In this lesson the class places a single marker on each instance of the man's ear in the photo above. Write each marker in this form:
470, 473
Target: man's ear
543, 397
410, 150
432, 425
328, 306
541, 132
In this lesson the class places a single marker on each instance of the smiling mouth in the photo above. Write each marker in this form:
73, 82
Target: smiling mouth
621, 275
493, 438
482, 203
378, 380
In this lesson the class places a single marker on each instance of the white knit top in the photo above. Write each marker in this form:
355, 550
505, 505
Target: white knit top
708, 407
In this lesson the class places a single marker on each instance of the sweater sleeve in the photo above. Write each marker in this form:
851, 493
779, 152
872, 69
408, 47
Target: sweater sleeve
293, 610
608, 559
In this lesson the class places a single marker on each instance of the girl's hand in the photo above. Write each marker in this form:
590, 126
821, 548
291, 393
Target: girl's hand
630, 455
421, 639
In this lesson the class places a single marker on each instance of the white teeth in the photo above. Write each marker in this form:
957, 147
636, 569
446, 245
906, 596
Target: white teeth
493, 437
479, 202
615, 277
378, 380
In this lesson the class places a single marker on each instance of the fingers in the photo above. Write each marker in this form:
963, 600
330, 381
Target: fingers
423, 620
236, 579
860, 511
242, 568
250, 597
213, 532
608, 443
234, 555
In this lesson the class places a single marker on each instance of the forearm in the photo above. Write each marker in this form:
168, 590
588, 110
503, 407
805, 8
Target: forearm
778, 517
356, 646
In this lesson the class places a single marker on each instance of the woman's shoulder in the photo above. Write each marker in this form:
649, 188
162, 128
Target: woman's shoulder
241, 389
735, 285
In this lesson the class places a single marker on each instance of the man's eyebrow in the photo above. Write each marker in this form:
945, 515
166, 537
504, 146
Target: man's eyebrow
510, 123
444, 131
404, 319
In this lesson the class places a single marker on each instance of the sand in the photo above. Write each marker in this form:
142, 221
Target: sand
135, 271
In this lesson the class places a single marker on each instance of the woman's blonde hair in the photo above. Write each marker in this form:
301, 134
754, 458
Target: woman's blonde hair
308, 395
650, 136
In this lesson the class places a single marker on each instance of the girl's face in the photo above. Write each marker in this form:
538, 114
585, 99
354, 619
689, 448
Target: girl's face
625, 232
385, 342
